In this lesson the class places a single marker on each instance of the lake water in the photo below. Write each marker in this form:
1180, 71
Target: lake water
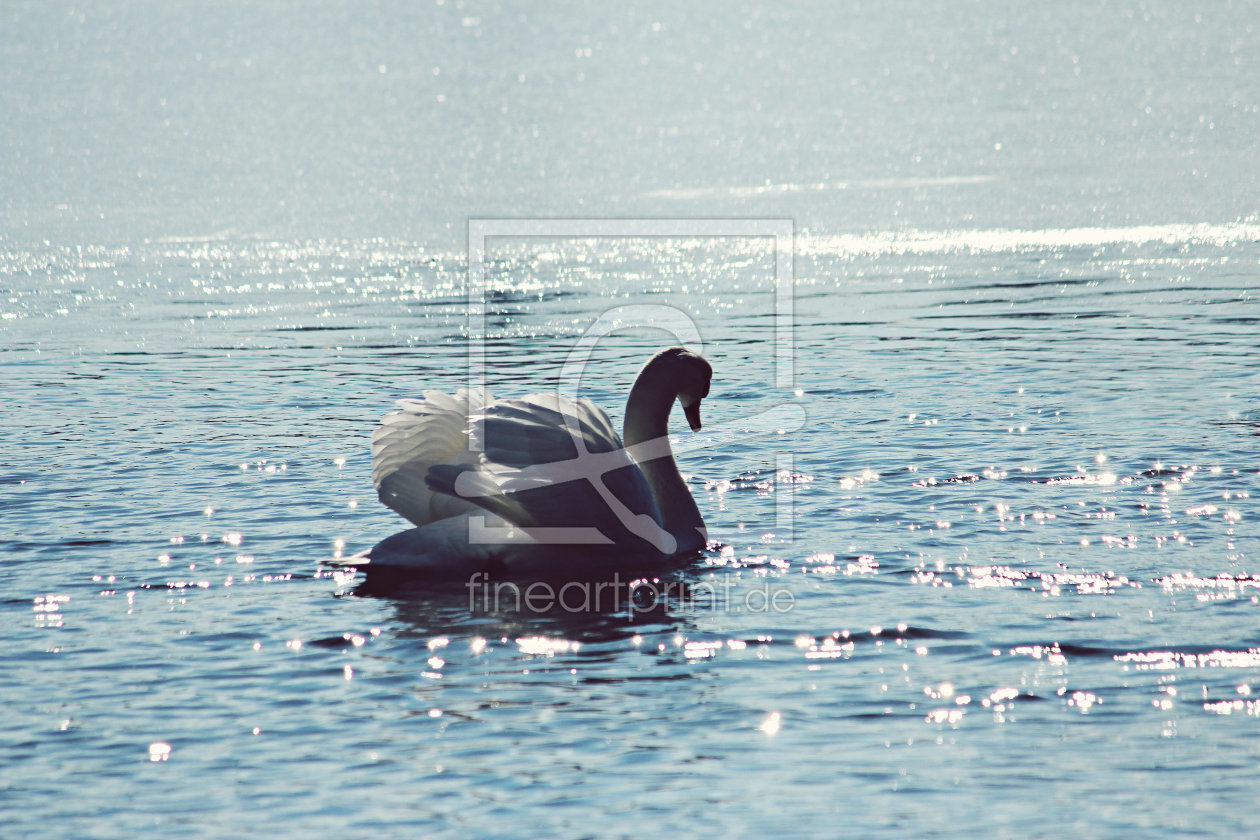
1000, 580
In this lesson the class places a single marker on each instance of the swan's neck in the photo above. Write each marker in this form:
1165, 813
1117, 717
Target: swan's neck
647, 421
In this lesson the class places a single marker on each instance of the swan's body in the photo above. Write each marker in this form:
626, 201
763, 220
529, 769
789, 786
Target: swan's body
539, 484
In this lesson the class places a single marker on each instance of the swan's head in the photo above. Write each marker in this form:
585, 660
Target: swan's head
690, 374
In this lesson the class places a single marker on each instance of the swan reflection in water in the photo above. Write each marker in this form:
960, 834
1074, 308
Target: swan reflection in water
540, 487
659, 617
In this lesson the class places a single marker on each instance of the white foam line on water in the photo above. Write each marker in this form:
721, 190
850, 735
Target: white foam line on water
1005, 240
820, 186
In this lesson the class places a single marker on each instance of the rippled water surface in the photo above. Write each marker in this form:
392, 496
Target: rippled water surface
1000, 580
1004, 573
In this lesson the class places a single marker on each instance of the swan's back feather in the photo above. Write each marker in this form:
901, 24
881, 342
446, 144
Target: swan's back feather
537, 456
542, 428
410, 441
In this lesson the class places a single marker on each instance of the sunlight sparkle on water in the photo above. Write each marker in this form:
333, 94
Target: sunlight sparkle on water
1081, 558
544, 646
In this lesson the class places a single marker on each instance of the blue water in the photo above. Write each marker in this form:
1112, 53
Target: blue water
1001, 580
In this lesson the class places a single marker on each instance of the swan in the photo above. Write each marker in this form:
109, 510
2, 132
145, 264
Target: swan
541, 484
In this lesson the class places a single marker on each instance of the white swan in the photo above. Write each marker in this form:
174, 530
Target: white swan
540, 484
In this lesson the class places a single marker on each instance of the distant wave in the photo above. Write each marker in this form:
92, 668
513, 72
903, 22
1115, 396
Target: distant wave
820, 186
1005, 240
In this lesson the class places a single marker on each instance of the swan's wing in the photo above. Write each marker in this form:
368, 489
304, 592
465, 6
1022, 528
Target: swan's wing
410, 441
549, 462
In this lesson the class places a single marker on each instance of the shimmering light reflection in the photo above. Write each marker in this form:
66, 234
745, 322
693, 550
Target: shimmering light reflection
854, 482
1083, 701
1052, 653
544, 646
1236, 706
1000, 240
946, 715
997, 698
701, 650
829, 648
1066, 528
1223, 586
48, 610
1102, 479
1049, 584
1165, 660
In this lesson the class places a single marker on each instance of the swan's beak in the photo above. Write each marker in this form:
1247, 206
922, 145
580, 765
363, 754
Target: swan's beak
693, 415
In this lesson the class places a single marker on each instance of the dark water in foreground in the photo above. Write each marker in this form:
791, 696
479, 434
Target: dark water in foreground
1013, 546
